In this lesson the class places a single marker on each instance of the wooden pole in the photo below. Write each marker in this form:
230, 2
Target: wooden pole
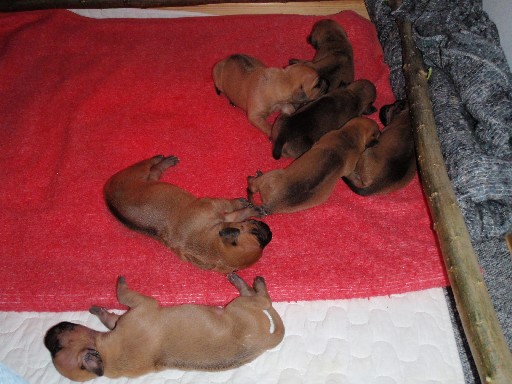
483, 332
30, 5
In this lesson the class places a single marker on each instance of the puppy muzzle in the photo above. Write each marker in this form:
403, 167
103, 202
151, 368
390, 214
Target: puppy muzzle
262, 232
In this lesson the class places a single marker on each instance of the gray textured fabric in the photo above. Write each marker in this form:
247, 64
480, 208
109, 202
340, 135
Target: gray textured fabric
471, 89
471, 93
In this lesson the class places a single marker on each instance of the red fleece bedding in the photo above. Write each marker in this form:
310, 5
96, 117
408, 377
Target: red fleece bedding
83, 98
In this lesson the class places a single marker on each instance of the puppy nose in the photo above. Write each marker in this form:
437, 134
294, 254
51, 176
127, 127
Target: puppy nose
262, 232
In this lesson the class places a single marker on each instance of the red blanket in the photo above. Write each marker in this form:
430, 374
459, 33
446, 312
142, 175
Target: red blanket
84, 98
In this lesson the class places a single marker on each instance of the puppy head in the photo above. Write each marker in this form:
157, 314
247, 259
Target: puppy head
242, 244
305, 84
366, 92
390, 112
367, 131
73, 352
370, 131
326, 30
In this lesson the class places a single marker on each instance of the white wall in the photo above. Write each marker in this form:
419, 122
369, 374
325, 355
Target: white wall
500, 11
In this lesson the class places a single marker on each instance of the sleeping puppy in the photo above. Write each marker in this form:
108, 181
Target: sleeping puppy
149, 338
294, 134
334, 58
260, 90
310, 179
391, 164
213, 234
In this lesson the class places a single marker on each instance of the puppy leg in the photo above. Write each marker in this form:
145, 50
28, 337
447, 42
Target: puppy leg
131, 298
260, 287
252, 187
236, 204
259, 120
108, 319
159, 165
241, 285
243, 214
237, 210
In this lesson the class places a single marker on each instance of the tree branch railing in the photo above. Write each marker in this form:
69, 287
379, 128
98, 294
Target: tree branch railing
483, 332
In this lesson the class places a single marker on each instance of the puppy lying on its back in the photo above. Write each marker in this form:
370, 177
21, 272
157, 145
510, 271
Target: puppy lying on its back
334, 58
294, 134
149, 338
210, 233
391, 164
260, 90
310, 179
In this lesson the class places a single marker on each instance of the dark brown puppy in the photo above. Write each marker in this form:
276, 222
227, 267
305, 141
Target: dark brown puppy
294, 134
260, 90
310, 179
391, 164
149, 338
334, 58
213, 234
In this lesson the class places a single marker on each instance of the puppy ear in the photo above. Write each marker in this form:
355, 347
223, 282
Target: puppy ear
229, 233
92, 362
311, 41
384, 115
299, 95
323, 84
372, 143
371, 109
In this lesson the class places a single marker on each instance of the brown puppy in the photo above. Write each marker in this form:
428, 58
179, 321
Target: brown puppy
294, 134
149, 338
310, 179
334, 58
391, 164
259, 90
210, 233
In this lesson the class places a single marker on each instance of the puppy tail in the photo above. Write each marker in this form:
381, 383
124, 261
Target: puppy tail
277, 150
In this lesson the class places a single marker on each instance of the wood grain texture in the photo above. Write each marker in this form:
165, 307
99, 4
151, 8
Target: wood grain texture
298, 8
214, 7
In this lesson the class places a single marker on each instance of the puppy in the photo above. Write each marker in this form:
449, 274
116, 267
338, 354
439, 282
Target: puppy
309, 180
334, 58
294, 134
213, 234
260, 90
391, 164
150, 338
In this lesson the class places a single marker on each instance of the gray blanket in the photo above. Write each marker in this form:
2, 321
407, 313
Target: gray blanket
471, 89
471, 93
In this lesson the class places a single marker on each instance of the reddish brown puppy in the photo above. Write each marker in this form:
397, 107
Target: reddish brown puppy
149, 338
391, 164
334, 58
294, 134
310, 179
213, 234
259, 90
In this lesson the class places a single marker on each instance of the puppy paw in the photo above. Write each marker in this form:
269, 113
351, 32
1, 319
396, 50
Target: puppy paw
121, 280
261, 210
95, 310
244, 203
170, 161
258, 281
